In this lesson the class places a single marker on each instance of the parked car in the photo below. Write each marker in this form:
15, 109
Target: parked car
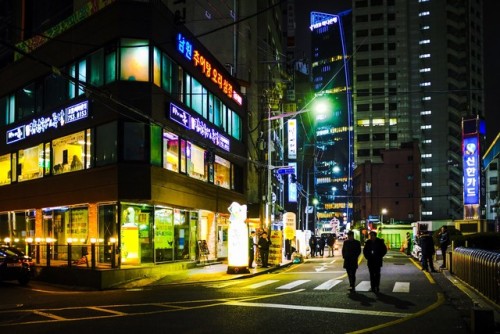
15, 265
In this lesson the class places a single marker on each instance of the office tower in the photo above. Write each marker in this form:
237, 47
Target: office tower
333, 135
418, 70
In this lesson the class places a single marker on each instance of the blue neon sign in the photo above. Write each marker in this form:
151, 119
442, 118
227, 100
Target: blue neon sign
41, 124
471, 169
197, 125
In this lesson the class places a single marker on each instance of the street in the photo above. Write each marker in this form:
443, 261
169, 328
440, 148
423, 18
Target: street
307, 298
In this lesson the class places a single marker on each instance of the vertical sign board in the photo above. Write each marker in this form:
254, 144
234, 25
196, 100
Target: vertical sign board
292, 139
275, 254
471, 176
292, 186
289, 225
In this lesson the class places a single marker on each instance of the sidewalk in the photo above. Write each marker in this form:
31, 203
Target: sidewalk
207, 273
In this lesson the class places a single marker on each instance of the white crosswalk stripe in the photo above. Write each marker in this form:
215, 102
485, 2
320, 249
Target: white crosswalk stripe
362, 286
264, 283
293, 284
328, 284
401, 287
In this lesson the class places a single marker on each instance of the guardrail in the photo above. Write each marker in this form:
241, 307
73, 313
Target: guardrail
478, 268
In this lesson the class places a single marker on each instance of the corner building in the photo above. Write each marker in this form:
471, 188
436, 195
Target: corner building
121, 128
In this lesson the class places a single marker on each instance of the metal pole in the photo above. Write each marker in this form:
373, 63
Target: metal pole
269, 184
306, 223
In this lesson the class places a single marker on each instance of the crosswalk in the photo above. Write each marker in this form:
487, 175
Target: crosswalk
331, 284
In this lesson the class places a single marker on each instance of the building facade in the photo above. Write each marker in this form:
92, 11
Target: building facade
418, 69
122, 129
390, 188
333, 128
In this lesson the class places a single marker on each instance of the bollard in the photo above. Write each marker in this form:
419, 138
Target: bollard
69, 241
48, 253
92, 252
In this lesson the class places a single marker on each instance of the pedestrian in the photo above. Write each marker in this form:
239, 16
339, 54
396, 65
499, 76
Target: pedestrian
321, 246
264, 244
374, 252
312, 245
408, 243
251, 249
330, 242
350, 252
426, 244
444, 241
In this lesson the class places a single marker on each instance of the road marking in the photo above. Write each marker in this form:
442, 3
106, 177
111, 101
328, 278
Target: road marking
439, 302
363, 286
401, 287
293, 284
328, 284
48, 315
258, 285
100, 309
321, 309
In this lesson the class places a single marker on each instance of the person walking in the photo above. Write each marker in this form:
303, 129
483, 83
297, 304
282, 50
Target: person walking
331, 245
312, 245
251, 249
426, 243
350, 252
321, 246
263, 245
444, 241
374, 252
408, 243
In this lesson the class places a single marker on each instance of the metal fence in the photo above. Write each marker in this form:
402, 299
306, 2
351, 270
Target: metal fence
478, 268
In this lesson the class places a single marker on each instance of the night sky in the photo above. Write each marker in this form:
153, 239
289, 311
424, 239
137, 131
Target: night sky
491, 50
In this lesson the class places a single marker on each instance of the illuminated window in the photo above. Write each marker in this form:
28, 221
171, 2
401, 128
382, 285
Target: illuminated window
426, 13
425, 112
134, 60
427, 199
427, 69
68, 153
170, 151
5, 170
425, 84
426, 184
426, 127
30, 163
222, 172
378, 122
425, 55
424, 41
363, 122
426, 98
428, 155
196, 166
426, 170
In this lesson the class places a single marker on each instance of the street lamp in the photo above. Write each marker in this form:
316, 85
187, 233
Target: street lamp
383, 212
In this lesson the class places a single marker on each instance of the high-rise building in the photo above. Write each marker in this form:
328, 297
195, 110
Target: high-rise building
333, 127
418, 70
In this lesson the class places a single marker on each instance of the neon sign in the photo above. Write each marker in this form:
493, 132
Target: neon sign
196, 124
471, 170
185, 47
40, 125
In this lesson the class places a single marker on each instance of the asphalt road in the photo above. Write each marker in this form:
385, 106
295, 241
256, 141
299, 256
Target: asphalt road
308, 298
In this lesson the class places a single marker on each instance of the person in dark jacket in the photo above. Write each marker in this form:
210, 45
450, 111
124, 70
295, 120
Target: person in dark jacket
251, 249
426, 243
444, 241
321, 246
374, 252
312, 245
350, 252
263, 245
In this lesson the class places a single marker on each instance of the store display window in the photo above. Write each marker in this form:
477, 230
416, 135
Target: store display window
5, 169
170, 151
30, 163
196, 165
222, 170
68, 153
